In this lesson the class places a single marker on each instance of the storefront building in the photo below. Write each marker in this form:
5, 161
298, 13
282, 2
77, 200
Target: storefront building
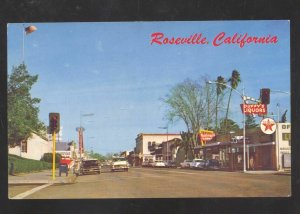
263, 151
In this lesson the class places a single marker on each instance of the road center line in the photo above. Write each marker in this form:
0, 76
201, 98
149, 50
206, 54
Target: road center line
29, 192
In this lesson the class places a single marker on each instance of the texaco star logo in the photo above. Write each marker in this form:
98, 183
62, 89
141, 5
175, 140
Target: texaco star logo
268, 126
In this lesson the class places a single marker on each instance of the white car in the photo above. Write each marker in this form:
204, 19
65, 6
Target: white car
185, 164
197, 163
159, 163
119, 164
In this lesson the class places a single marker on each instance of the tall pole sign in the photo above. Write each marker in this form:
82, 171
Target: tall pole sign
54, 125
80, 138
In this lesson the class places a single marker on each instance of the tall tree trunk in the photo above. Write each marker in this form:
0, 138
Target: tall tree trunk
216, 126
226, 117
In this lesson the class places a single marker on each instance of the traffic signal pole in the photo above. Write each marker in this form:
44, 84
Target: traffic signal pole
54, 125
53, 155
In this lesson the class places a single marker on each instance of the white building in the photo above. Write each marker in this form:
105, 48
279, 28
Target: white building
34, 148
283, 148
144, 141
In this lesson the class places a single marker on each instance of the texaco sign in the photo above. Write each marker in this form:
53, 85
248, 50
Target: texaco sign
268, 126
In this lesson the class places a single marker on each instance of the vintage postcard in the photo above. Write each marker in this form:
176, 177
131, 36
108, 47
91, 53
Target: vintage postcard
149, 109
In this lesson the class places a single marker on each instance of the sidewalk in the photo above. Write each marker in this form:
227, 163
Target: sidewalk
285, 172
42, 177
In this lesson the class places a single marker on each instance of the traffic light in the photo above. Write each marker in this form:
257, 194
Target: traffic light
265, 95
54, 122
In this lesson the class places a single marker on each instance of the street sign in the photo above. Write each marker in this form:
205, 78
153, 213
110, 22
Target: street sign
260, 109
268, 126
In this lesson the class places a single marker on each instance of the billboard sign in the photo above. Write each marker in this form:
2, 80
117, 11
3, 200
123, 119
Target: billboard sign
260, 109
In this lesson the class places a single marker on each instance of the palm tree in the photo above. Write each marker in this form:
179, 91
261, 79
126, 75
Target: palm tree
220, 88
234, 82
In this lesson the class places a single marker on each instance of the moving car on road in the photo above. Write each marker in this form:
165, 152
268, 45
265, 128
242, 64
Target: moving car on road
119, 164
90, 166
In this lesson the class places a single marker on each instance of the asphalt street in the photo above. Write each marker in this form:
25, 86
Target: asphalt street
169, 183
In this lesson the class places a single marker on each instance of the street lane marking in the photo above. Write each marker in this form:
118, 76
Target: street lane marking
29, 192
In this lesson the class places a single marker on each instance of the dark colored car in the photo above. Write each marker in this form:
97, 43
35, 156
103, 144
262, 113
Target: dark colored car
212, 164
91, 166
170, 164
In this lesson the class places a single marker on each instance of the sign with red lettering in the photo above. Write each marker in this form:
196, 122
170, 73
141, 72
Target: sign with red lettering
260, 109
206, 135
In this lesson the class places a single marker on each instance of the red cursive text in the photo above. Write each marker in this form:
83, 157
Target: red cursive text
160, 39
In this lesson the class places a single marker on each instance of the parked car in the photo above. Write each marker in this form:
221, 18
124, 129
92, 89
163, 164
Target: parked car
186, 164
145, 164
170, 164
212, 164
197, 163
159, 163
151, 163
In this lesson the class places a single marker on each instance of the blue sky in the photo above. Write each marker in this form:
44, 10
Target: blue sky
111, 69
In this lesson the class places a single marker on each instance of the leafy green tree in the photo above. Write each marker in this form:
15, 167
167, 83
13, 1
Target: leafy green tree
22, 109
234, 81
250, 122
97, 156
233, 126
188, 102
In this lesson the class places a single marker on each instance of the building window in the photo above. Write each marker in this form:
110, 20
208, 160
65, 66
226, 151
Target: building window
24, 146
286, 136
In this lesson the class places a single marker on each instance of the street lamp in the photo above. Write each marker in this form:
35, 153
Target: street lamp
242, 95
167, 128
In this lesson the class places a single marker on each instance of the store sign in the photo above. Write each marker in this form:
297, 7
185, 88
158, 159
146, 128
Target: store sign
260, 109
206, 135
268, 126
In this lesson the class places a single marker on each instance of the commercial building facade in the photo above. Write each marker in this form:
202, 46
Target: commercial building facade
146, 144
263, 151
